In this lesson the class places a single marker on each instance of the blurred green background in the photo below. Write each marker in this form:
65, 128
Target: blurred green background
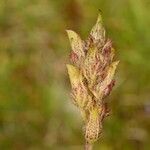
36, 112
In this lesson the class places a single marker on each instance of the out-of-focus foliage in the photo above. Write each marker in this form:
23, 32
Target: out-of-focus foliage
35, 108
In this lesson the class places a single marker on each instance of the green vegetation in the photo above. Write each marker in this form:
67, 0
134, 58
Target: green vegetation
35, 108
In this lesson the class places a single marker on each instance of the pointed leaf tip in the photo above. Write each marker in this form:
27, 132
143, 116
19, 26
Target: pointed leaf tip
76, 42
72, 34
99, 19
98, 31
116, 62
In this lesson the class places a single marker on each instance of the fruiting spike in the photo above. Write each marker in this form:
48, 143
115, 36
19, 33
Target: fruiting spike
92, 77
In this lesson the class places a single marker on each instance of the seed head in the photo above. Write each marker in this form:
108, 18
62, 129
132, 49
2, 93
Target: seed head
92, 77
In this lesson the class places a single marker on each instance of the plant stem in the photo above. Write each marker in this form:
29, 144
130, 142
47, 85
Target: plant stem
88, 146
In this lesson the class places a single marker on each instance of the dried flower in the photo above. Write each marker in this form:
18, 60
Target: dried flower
92, 77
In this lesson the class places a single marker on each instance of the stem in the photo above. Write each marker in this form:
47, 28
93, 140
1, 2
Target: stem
88, 146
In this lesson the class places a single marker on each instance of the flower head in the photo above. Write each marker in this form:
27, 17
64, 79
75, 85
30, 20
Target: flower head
92, 76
